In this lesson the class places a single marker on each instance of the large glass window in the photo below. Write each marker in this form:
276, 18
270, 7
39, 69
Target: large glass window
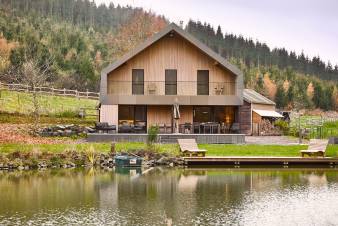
219, 114
138, 81
203, 114
202, 82
132, 119
170, 82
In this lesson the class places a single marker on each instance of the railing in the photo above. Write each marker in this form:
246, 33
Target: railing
184, 88
49, 91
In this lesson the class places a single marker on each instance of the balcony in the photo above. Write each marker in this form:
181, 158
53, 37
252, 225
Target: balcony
166, 93
162, 88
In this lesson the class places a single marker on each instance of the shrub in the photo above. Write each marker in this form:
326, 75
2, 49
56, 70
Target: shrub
152, 134
283, 126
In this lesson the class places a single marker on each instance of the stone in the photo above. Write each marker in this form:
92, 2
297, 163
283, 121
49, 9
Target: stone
171, 164
21, 168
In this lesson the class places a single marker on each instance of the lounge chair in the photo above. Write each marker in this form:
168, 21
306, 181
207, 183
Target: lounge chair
189, 148
316, 148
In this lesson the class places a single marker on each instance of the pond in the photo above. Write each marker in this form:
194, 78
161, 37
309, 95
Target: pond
164, 196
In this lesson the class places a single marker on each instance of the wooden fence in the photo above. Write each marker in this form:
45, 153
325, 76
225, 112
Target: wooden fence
49, 91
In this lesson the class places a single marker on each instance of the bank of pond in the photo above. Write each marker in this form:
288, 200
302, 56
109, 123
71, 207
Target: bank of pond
41, 156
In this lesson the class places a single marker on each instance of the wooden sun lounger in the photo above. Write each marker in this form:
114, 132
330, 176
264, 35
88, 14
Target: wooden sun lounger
189, 148
316, 148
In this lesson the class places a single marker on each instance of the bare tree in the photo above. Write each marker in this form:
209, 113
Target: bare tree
34, 74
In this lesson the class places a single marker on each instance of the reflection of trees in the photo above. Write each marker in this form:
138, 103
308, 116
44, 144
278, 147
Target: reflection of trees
34, 190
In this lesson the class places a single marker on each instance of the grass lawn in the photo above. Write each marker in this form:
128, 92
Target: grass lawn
16, 118
212, 149
19, 102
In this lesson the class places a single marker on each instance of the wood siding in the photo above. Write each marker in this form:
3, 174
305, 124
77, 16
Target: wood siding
159, 115
244, 113
171, 53
109, 113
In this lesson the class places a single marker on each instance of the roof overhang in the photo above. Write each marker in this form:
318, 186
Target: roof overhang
269, 114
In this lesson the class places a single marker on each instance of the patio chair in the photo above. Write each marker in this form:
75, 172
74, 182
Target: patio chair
152, 88
168, 128
104, 127
235, 128
162, 128
189, 148
316, 148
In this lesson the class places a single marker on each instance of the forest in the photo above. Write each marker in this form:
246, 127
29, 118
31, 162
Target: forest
77, 38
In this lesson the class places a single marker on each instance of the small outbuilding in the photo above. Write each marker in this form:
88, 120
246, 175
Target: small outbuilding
260, 108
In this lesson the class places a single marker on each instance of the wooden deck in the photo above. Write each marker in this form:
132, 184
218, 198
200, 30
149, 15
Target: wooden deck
169, 138
239, 160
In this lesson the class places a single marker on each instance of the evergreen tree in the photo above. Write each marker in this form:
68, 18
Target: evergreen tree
280, 98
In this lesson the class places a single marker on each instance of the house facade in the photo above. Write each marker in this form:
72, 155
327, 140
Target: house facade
176, 82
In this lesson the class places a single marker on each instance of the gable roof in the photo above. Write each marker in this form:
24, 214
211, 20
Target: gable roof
253, 97
185, 35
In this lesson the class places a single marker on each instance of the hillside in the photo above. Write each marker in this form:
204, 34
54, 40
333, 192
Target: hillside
80, 38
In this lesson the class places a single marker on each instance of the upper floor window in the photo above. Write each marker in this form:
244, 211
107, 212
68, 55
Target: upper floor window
202, 82
138, 82
170, 82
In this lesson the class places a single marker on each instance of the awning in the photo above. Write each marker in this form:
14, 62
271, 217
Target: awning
266, 113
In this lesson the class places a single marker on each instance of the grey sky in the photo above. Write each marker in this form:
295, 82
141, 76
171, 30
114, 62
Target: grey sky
298, 25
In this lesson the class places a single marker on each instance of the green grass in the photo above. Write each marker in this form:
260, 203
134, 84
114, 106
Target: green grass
212, 149
252, 150
19, 102
16, 118
99, 147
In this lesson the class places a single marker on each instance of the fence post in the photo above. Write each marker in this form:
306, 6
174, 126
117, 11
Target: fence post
64, 91
87, 94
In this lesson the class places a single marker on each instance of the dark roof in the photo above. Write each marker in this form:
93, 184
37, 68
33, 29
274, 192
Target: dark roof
253, 97
185, 35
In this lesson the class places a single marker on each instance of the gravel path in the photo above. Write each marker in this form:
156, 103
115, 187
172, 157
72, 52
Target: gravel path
278, 140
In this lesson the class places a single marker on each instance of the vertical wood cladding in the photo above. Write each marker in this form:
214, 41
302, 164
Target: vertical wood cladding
245, 118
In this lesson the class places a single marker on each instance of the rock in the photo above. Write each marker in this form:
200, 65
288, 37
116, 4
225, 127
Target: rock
60, 127
21, 168
171, 164
26, 167
162, 161
72, 165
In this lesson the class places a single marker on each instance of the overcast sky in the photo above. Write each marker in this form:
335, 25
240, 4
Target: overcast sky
298, 25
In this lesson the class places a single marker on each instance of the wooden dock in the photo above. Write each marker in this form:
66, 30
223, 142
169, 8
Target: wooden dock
241, 160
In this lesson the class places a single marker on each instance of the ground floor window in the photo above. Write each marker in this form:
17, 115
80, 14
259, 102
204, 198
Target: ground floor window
219, 114
132, 119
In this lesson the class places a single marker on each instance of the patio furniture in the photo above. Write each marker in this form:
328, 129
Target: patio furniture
187, 127
219, 88
162, 128
316, 148
196, 127
104, 127
151, 88
139, 127
235, 128
168, 128
125, 127
189, 148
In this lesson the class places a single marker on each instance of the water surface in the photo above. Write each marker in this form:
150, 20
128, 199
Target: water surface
162, 196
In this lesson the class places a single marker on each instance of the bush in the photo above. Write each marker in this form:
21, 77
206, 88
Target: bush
152, 134
283, 126
67, 114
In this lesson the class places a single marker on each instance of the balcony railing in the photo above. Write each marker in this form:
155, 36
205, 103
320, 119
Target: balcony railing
181, 88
